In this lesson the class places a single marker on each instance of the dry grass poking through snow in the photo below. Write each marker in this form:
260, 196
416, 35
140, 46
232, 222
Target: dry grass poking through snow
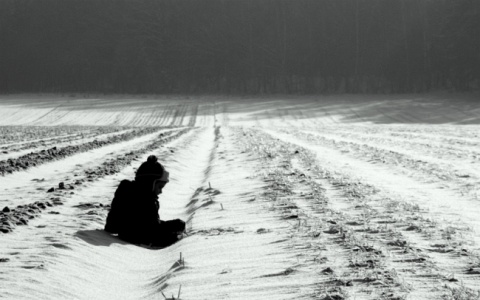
391, 249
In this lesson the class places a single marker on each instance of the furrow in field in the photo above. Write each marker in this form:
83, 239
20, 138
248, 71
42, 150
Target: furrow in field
179, 115
193, 117
13, 135
189, 114
164, 118
23, 143
225, 115
432, 196
148, 114
88, 116
373, 263
109, 118
36, 158
15, 152
427, 260
138, 117
167, 115
444, 148
313, 228
238, 248
462, 161
49, 117
67, 255
189, 107
18, 210
81, 113
205, 114
62, 115
440, 240
175, 112
122, 116
457, 176
155, 115
52, 139
183, 116
446, 134
10, 115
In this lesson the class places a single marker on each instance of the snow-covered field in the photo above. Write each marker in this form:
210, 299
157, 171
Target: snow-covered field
325, 197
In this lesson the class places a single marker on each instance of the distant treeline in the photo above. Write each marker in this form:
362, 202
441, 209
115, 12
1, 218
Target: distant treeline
239, 46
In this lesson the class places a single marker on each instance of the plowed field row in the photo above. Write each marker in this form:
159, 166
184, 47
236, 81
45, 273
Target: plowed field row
12, 217
71, 231
19, 135
36, 158
446, 134
445, 148
380, 246
17, 150
456, 174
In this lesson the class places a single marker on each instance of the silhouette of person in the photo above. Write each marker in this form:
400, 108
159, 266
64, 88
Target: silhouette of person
134, 213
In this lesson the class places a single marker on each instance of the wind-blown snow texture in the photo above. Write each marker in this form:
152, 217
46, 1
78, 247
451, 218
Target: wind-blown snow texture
328, 197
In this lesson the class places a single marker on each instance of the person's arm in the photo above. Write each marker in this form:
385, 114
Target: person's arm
154, 210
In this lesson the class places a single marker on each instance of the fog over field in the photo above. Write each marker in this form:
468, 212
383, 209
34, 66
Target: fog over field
318, 197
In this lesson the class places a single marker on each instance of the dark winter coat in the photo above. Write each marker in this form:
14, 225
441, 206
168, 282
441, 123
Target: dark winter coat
134, 217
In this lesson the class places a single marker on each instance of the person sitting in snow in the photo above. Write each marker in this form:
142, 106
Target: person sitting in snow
134, 213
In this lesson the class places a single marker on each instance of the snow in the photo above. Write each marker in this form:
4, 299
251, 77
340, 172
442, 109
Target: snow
415, 158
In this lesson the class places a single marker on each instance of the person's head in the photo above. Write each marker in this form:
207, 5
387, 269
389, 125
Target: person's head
152, 175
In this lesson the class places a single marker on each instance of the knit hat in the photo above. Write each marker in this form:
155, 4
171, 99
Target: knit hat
153, 169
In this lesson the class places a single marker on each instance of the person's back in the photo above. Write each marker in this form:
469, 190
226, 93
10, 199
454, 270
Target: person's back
134, 210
